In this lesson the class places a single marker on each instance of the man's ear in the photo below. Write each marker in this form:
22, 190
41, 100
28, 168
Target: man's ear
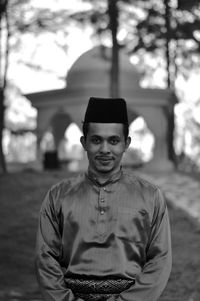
128, 142
83, 142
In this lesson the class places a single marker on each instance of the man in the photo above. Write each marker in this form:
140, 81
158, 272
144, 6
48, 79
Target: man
104, 235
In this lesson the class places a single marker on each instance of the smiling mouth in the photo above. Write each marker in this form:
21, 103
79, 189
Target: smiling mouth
104, 159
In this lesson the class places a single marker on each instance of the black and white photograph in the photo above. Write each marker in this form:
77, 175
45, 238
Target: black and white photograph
99, 150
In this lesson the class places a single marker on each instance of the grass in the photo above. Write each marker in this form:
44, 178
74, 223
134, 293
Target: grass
21, 194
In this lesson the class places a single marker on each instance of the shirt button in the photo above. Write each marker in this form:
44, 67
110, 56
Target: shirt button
102, 200
104, 189
102, 212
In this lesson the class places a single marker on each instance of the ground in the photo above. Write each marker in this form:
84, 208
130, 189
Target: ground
21, 194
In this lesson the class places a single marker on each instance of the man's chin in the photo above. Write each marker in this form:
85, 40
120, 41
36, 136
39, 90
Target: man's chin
104, 169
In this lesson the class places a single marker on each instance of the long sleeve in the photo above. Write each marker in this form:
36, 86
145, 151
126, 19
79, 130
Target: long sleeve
151, 282
48, 254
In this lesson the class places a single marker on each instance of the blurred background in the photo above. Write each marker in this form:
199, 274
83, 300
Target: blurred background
56, 54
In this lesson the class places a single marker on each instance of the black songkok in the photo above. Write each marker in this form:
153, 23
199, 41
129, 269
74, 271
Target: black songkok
106, 110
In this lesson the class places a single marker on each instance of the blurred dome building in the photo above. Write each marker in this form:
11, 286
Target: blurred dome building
90, 76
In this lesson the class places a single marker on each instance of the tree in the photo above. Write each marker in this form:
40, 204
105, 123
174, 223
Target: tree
174, 29
4, 22
155, 26
113, 13
18, 17
170, 31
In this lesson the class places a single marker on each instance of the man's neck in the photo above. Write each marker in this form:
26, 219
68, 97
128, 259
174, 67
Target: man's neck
103, 178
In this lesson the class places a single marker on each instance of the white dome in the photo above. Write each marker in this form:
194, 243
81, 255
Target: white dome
93, 69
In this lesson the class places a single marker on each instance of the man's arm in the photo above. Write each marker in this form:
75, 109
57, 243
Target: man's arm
155, 273
48, 253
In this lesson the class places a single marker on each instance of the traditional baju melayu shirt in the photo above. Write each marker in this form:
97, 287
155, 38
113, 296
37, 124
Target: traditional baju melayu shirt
116, 230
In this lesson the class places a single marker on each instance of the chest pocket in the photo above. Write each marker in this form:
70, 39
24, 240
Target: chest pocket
133, 225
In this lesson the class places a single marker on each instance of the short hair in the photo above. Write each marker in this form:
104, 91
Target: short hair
85, 129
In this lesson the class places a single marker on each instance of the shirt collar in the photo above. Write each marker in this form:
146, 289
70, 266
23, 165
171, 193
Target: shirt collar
112, 179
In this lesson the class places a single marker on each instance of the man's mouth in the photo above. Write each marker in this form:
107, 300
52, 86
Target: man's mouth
104, 159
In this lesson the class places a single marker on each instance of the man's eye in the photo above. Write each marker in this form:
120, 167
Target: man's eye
114, 141
95, 140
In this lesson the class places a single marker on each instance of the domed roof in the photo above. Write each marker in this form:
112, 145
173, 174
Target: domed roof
92, 69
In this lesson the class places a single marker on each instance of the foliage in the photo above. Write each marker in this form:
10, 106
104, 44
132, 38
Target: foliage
187, 5
145, 29
26, 18
17, 18
182, 34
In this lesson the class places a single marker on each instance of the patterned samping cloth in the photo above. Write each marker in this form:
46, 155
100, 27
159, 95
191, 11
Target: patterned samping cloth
98, 290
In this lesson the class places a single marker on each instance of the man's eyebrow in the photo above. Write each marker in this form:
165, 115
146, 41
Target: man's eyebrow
109, 137
114, 136
96, 137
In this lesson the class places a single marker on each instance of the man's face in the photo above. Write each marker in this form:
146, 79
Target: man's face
105, 145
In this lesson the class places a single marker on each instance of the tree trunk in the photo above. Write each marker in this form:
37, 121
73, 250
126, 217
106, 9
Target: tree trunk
2, 110
171, 125
114, 73
167, 45
3, 79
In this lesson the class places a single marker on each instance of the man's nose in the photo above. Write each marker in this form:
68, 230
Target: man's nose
105, 147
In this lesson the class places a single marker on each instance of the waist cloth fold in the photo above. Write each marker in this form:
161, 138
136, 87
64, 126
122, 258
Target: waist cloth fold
97, 289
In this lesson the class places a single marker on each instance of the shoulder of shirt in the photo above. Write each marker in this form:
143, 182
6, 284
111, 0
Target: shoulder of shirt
59, 190
146, 187
136, 179
68, 183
